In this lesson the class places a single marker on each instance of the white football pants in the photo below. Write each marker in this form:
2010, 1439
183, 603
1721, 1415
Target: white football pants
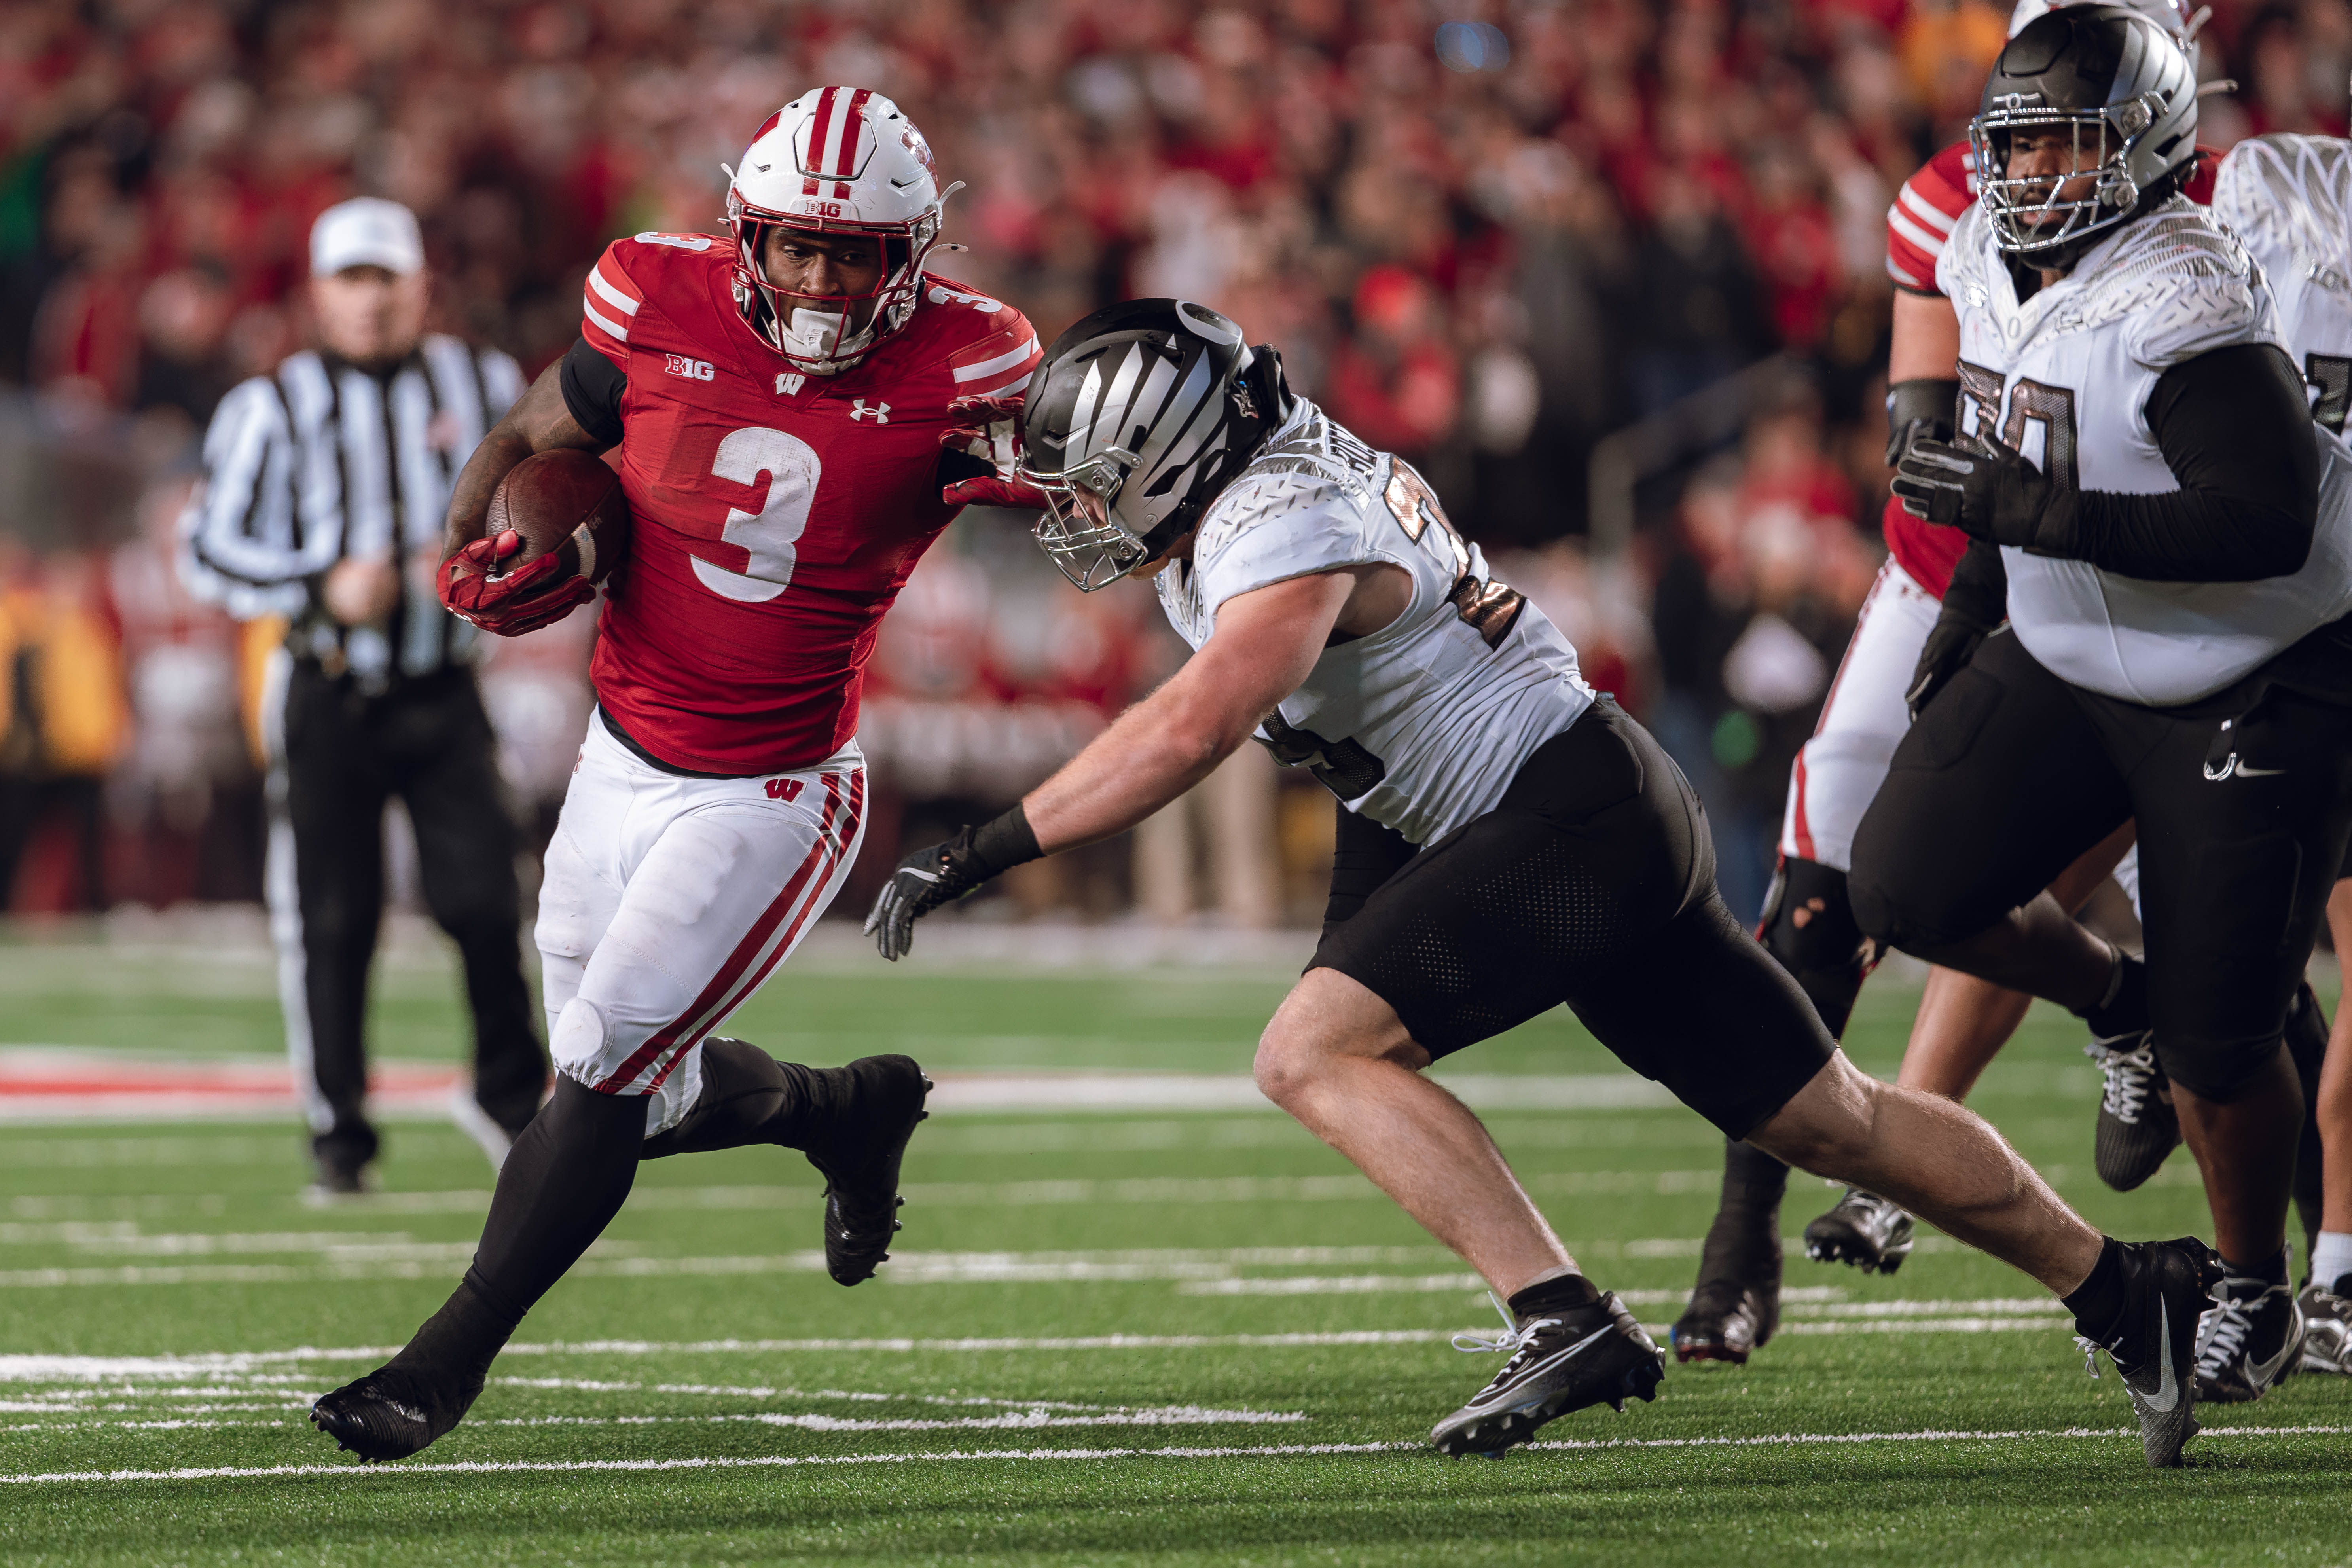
1839, 770
668, 901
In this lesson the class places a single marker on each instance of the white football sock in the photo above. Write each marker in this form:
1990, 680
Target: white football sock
2332, 1258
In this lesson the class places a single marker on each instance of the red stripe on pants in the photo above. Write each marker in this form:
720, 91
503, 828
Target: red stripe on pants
746, 953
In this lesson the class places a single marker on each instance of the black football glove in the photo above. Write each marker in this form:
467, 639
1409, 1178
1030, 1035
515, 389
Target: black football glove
1986, 490
938, 874
1951, 643
1918, 410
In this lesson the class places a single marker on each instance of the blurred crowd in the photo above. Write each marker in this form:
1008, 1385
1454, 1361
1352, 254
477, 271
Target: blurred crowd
1485, 233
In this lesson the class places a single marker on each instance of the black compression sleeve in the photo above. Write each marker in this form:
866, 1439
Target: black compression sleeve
1978, 594
2234, 426
593, 386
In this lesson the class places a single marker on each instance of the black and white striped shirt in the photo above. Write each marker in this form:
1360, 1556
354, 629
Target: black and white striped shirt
321, 461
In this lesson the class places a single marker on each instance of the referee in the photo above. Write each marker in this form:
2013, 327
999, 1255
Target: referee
324, 489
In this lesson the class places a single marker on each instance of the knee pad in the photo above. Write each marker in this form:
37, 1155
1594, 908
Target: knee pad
1809, 928
2219, 1070
578, 1043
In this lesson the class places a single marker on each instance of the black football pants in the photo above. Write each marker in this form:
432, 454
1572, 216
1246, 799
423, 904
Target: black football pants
2013, 773
345, 755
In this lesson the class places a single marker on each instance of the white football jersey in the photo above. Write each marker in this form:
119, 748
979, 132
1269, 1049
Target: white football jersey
2289, 198
1420, 725
2066, 377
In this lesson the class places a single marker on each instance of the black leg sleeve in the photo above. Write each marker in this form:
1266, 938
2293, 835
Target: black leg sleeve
748, 1097
565, 1179
2307, 1045
466, 853
334, 797
1808, 927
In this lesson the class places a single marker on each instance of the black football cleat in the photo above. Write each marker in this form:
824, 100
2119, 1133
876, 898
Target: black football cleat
1862, 1229
1592, 1354
2167, 1289
2248, 1340
392, 1413
872, 1109
2138, 1129
1737, 1303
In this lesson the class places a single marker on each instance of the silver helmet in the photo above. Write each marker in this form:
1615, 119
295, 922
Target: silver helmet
1133, 422
2120, 88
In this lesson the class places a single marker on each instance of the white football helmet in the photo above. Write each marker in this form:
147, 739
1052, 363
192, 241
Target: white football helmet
835, 160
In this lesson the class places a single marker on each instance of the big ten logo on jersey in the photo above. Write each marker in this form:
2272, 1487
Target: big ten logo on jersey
2040, 422
1490, 609
692, 369
786, 790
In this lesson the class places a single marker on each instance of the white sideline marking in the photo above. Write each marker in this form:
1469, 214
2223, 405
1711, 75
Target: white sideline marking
1269, 1450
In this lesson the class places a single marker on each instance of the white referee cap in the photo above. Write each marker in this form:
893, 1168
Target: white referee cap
367, 231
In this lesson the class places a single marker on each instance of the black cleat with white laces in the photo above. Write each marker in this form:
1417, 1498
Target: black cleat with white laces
1862, 1229
2249, 1339
394, 1412
2138, 1129
1559, 1361
872, 1108
2153, 1343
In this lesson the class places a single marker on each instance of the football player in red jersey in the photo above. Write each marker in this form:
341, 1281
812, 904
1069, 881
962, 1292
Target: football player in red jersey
776, 399
1896, 660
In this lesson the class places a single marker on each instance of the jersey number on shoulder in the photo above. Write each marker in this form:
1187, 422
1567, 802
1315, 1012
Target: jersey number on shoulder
2052, 408
771, 536
2331, 377
1490, 609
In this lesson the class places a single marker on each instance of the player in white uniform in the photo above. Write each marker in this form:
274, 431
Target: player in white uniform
2171, 539
1808, 922
2289, 198
1509, 841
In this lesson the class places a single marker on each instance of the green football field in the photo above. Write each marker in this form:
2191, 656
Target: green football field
1131, 1335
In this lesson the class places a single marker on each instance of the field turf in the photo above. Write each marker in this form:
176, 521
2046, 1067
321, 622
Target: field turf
1141, 1336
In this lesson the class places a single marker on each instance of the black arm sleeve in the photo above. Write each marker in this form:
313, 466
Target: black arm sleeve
2234, 426
1978, 594
593, 386
1365, 855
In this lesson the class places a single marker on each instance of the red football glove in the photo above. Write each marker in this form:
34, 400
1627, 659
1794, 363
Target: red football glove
523, 600
989, 429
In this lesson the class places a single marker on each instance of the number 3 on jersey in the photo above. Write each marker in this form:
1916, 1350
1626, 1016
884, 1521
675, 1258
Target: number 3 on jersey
771, 536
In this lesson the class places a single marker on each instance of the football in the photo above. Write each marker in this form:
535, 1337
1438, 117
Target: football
566, 502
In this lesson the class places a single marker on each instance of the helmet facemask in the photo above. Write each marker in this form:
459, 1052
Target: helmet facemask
2030, 215
813, 332
1077, 531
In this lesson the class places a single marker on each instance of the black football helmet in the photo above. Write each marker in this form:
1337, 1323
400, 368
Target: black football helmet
2122, 89
1137, 417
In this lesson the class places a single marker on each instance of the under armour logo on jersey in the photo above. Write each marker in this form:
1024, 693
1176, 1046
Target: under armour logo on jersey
692, 369
786, 789
789, 383
879, 412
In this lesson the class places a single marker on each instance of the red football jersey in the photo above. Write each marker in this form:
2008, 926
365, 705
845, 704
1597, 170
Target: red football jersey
776, 514
1921, 219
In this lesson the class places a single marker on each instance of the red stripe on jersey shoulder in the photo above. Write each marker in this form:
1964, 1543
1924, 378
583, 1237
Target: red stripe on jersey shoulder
609, 302
1921, 219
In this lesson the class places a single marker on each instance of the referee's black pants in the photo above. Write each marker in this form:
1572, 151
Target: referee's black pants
345, 755
2011, 772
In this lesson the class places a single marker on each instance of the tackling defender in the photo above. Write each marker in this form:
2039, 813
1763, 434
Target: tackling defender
2174, 560
777, 396
1508, 840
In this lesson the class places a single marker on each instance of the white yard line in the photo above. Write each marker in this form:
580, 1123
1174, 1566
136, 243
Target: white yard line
1049, 1456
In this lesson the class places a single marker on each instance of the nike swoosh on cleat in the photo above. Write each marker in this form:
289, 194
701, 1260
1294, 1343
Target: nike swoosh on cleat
2244, 771
2167, 1387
